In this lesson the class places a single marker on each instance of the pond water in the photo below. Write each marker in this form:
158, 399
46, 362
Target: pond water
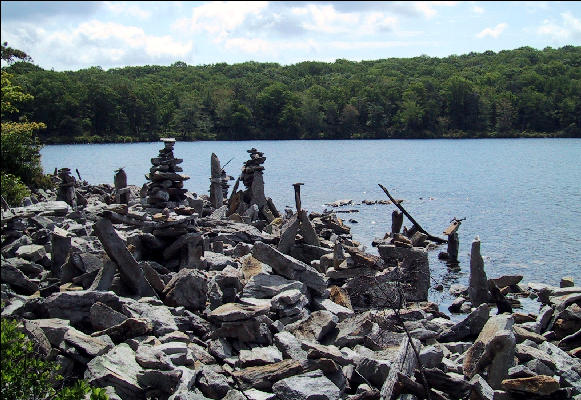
522, 197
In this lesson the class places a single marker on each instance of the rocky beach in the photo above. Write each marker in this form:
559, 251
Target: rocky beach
155, 292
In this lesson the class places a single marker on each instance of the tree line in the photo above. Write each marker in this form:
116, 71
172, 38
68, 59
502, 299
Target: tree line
512, 93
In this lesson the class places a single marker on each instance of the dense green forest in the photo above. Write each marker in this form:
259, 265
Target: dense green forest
513, 93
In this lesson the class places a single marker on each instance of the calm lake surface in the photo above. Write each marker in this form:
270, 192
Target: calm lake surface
522, 197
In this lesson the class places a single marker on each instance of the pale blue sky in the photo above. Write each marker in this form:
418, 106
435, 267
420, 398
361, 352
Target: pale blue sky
73, 35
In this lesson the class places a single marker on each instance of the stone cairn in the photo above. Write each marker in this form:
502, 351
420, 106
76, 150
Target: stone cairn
225, 178
66, 191
121, 189
252, 204
166, 184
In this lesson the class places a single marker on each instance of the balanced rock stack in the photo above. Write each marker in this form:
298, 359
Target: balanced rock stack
252, 168
66, 191
252, 203
166, 183
225, 178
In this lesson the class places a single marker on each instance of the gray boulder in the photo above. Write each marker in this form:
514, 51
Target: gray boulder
159, 315
188, 288
75, 306
259, 356
164, 381
308, 386
152, 357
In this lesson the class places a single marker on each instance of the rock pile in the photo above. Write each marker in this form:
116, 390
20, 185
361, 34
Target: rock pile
252, 204
190, 307
166, 185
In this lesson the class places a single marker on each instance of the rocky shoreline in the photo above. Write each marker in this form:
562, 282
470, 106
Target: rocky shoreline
157, 293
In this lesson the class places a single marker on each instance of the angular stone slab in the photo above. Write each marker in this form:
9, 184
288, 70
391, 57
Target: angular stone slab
118, 369
102, 316
128, 329
266, 286
89, 345
262, 377
15, 278
315, 327
231, 312
536, 385
288, 234
493, 349
468, 327
45, 208
289, 267
131, 273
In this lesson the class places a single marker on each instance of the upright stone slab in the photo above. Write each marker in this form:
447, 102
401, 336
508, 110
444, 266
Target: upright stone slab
216, 193
396, 221
453, 244
478, 286
416, 271
131, 273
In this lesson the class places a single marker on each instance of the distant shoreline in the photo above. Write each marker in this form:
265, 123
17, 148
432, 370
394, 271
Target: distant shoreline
122, 139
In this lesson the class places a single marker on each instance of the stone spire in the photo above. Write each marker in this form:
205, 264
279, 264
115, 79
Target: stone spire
166, 185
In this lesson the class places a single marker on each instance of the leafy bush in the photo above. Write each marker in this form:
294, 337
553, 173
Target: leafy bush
13, 190
25, 375
21, 150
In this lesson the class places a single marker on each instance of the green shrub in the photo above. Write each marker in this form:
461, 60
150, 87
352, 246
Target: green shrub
21, 150
43, 181
26, 376
13, 190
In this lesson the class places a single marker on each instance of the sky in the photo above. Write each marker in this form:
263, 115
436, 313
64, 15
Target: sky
71, 35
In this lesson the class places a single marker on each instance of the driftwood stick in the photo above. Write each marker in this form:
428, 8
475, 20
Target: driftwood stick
396, 203
405, 363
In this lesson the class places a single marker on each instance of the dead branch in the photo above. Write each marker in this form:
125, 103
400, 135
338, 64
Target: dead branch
418, 226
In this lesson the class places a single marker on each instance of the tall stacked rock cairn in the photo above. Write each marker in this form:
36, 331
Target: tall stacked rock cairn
151, 304
251, 204
166, 184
